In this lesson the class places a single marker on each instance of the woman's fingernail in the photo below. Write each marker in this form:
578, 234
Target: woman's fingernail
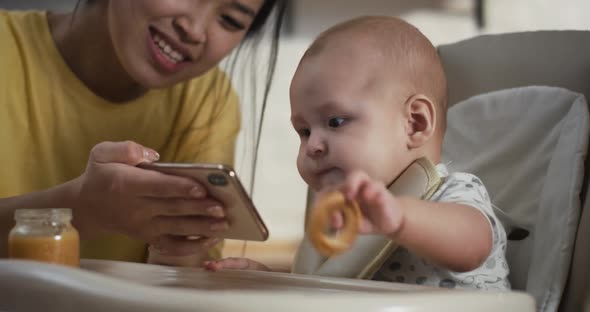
219, 226
215, 211
150, 155
197, 192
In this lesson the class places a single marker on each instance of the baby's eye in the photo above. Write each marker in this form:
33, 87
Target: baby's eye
305, 133
336, 122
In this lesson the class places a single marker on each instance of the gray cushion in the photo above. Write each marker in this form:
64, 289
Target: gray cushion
528, 146
494, 62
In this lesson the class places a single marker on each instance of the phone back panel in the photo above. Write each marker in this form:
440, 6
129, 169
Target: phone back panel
222, 184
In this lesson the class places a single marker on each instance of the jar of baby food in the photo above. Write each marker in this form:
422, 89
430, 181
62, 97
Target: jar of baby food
45, 235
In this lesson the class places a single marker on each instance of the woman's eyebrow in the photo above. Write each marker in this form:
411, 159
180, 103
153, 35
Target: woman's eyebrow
243, 8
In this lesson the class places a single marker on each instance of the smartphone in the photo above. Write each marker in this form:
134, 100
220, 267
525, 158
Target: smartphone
222, 184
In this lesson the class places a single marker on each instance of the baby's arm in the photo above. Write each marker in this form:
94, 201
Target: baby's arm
455, 236
452, 235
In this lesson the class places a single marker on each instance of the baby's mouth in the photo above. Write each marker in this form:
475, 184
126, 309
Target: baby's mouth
330, 177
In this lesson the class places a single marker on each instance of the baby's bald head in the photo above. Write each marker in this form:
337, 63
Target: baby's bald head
398, 54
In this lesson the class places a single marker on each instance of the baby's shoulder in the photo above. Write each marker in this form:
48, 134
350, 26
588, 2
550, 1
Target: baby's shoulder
455, 179
464, 179
461, 187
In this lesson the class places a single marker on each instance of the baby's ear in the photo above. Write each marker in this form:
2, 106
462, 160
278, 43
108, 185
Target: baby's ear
421, 120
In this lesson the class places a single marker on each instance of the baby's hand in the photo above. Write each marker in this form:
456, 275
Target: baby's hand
381, 212
235, 264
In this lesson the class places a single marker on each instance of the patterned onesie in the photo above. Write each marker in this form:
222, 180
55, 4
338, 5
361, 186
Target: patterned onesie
405, 267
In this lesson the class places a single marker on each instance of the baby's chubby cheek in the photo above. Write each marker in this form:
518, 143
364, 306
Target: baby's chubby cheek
305, 174
386, 175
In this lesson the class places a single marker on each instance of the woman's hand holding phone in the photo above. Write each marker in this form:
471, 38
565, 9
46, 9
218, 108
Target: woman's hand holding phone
223, 184
114, 195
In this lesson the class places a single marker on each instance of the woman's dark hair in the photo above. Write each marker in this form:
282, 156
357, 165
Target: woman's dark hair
267, 22
253, 37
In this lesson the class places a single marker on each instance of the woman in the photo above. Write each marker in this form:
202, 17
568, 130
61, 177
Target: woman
87, 96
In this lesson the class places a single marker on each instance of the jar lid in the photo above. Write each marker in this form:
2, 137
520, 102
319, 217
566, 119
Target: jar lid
43, 214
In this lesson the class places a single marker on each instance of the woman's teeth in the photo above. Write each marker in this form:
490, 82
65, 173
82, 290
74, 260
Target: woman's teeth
171, 54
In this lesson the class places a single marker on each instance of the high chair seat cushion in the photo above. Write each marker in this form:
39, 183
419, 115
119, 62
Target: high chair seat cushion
528, 146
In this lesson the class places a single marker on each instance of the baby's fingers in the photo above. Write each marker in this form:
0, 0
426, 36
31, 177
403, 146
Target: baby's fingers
366, 227
228, 264
354, 184
371, 193
337, 220
234, 264
375, 206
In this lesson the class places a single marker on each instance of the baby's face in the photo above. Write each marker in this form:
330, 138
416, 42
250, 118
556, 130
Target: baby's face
347, 121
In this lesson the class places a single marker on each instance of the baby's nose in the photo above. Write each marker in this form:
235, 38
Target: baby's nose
316, 147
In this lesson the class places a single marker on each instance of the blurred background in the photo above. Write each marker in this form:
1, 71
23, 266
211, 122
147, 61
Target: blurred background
280, 194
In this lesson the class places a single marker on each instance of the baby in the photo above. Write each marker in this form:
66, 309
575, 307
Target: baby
368, 99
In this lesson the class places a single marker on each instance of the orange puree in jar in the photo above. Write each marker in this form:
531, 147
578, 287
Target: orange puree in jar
45, 235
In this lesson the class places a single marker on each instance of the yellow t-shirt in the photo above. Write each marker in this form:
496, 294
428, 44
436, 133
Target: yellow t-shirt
49, 121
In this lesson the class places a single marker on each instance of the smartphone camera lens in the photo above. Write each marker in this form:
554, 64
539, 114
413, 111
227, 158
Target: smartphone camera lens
217, 179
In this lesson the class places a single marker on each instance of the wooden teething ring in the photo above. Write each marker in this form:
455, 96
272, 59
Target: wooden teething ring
321, 216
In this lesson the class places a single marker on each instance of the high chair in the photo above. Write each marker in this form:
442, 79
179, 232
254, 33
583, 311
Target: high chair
548, 249
547, 216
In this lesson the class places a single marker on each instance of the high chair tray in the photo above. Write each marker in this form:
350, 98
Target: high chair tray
236, 280
118, 286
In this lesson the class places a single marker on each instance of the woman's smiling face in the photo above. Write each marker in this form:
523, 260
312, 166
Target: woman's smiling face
162, 42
